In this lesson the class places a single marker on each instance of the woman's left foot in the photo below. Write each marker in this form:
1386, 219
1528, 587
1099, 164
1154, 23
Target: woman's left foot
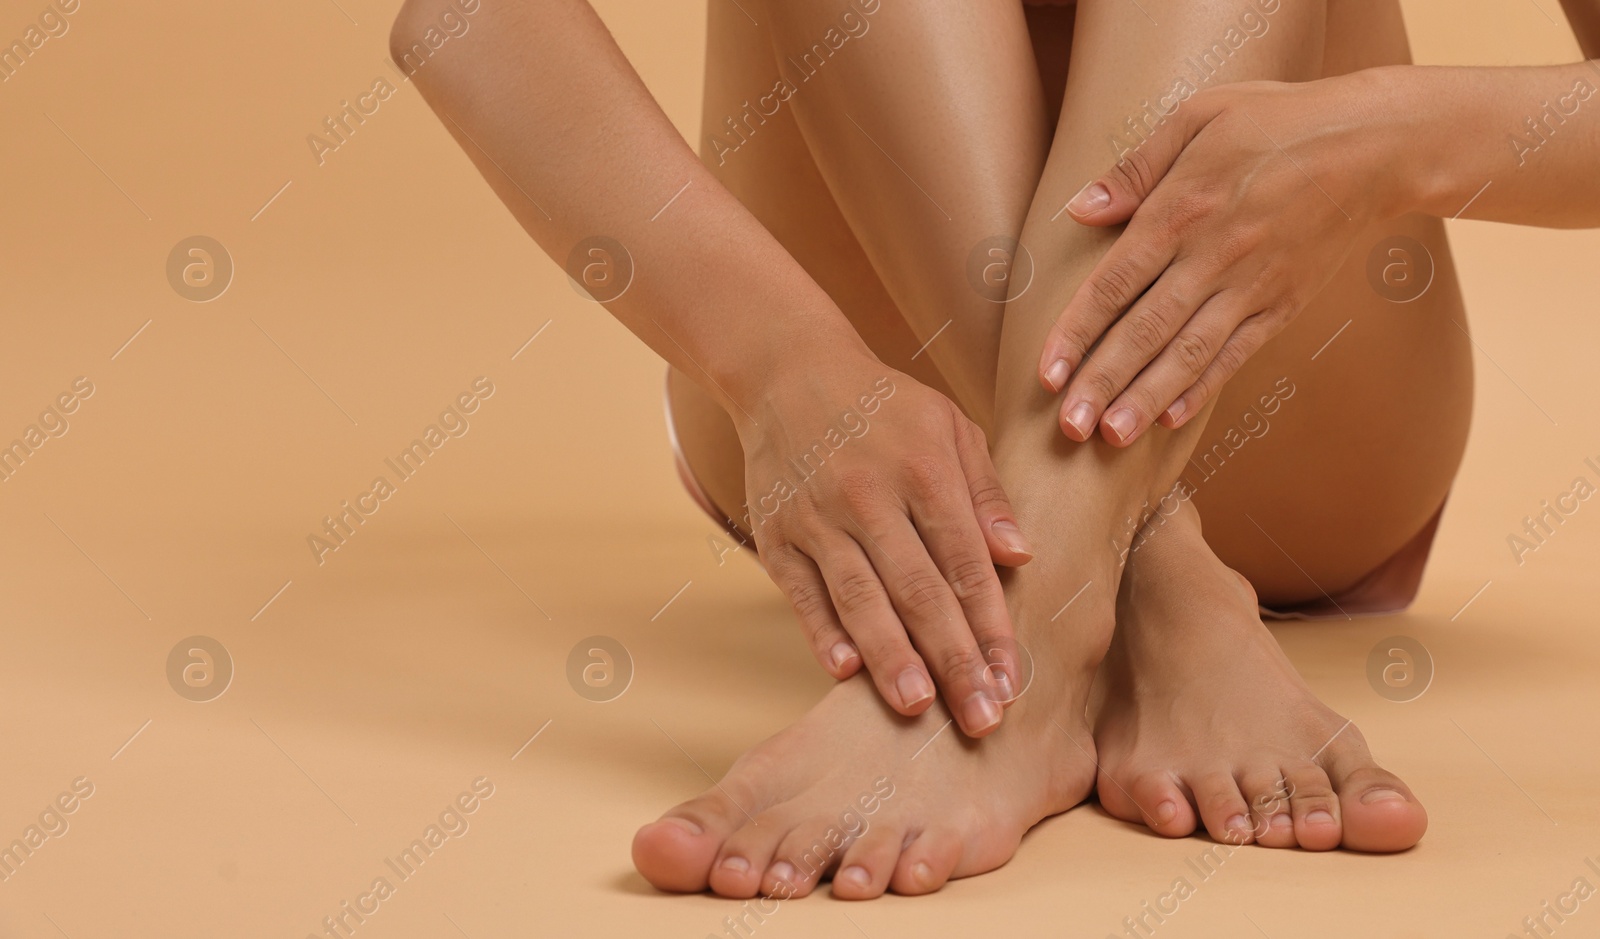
1202, 714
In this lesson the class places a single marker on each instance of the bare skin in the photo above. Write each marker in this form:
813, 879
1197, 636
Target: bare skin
1376, 431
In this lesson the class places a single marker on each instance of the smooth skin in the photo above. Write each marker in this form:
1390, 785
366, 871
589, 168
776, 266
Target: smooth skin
1246, 201
889, 558
1076, 500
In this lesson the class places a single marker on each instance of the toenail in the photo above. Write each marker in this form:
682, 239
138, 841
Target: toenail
1381, 795
842, 653
856, 875
913, 686
783, 872
736, 864
1122, 422
981, 712
686, 825
1081, 417
1166, 812
1319, 817
1239, 825
1281, 823
922, 874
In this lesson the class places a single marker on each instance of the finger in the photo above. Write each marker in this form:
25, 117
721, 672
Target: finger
801, 581
1131, 344
868, 616
996, 519
951, 535
934, 618
1113, 197
1251, 335
1176, 368
1134, 262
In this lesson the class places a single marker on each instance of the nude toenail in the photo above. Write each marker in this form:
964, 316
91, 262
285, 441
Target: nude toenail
1122, 422
981, 712
736, 864
856, 875
922, 874
686, 825
783, 872
1319, 817
1381, 795
913, 686
842, 653
1166, 812
1239, 825
1081, 417
1281, 823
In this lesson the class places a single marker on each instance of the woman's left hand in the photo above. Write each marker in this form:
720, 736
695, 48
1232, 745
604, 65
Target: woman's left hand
1240, 207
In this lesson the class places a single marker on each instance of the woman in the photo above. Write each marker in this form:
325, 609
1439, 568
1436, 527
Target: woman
837, 287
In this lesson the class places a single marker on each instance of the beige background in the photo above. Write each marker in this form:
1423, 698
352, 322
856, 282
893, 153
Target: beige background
375, 687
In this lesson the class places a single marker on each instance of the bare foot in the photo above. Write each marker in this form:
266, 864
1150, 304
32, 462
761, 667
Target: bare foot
885, 802
1202, 712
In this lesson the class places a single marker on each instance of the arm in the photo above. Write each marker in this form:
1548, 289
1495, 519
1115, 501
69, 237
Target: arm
547, 107
1258, 191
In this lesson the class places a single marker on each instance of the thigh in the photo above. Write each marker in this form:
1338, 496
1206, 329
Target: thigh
1311, 490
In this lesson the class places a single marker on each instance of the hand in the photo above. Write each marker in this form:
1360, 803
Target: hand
877, 511
1243, 205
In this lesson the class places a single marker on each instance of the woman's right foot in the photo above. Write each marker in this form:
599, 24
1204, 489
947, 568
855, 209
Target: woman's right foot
1205, 722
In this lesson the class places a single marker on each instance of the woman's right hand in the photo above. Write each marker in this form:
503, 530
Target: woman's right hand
876, 509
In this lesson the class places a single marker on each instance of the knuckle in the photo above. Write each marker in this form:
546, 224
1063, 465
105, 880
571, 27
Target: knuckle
918, 594
1145, 330
987, 492
959, 661
925, 473
856, 592
972, 577
860, 491
1099, 385
1135, 172
1113, 287
810, 603
1192, 351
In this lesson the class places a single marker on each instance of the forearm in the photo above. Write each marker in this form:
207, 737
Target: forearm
547, 107
1505, 144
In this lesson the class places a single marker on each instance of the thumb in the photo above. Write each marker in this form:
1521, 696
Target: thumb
1007, 545
1112, 198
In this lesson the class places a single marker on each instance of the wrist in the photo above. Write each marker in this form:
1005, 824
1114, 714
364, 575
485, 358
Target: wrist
807, 359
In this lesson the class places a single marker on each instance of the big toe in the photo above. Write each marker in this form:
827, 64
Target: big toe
1379, 811
676, 852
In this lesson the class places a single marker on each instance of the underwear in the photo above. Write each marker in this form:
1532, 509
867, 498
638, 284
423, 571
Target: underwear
1389, 588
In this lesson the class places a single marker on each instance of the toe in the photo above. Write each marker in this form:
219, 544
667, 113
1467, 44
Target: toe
1268, 794
676, 852
805, 855
1222, 808
926, 863
1378, 810
867, 865
1155, 799
1314, 807
747, 853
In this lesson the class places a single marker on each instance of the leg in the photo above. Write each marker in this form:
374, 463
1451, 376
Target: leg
1305, 497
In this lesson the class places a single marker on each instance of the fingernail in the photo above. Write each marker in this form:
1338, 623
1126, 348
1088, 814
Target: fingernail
1011, 536
981, 712
1166, 812
1090, 198
856, 875
783, 871
1319, 817
1122, 422
1056, 375
736, 864
1176, 411
842, 653
999, 679
1381, 795
1081, 417
913, 686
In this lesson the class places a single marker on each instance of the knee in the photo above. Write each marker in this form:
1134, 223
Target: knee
425, 28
